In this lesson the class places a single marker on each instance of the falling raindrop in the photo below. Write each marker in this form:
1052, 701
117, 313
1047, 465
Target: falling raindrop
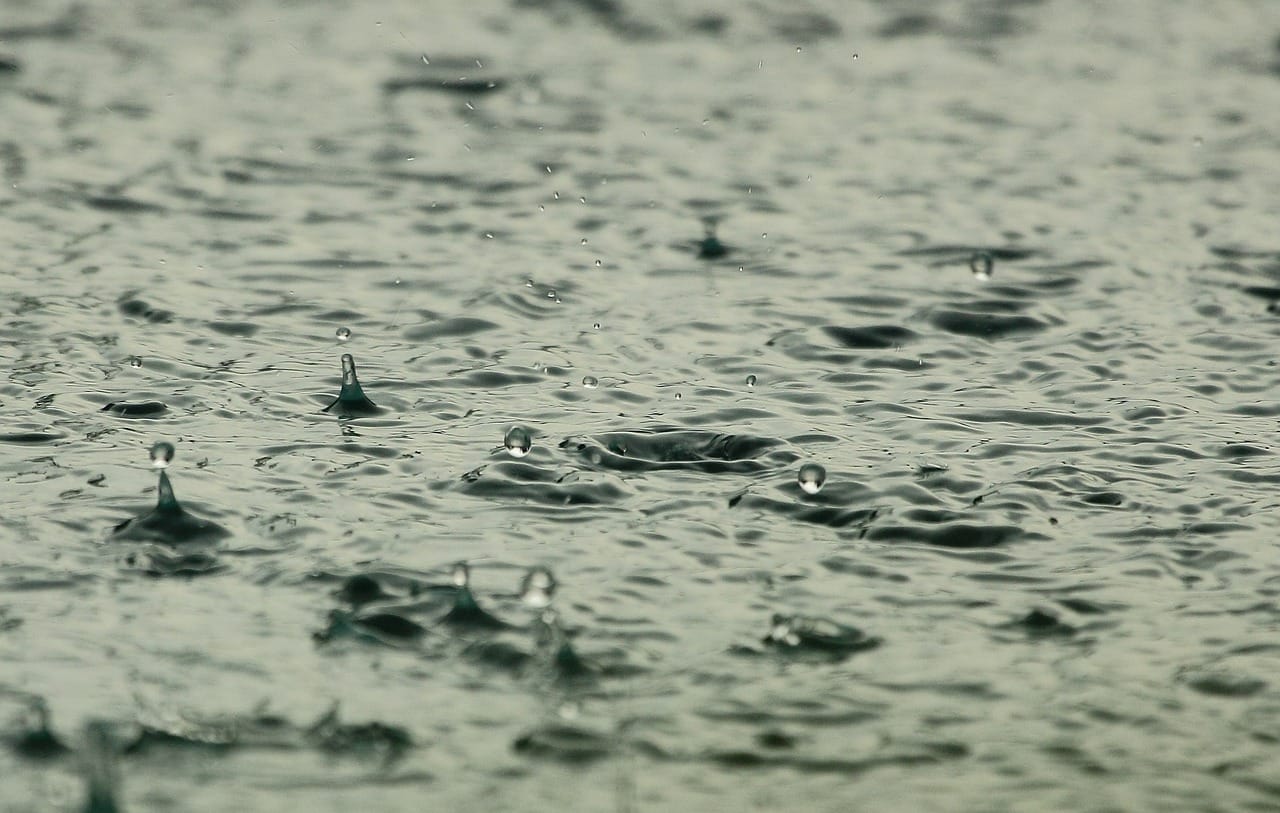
811, 478
590, 382
981, 265
751, 381
343, 334
135, 361
596, 326
537, 588
460, 575
161, 454
518, 441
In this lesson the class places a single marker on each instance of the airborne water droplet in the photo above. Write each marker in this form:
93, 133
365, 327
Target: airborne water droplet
135, 361
537, 587
343, 334
590, 382
751, 381
811, 478
460, 575
518, 441
981, 265
596, 326
161, 454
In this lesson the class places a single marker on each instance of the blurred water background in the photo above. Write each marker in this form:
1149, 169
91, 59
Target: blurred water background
1008, 271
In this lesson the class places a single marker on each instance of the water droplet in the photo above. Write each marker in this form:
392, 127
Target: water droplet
584, 241
590, 382
161, 454
799, 49
811, 478
582, 200
343, 334
537, 587
678, 396
598, 263
981, 264
518, 441
135, 361
460, 575
855, 56
556, 195
751, 381
425, 61
528, 283
551, 294
764, 235
596, 326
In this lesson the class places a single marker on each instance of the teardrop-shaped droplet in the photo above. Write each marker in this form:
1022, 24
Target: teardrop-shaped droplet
590, 382
161, 454
343, 334
751, 381
811, 478
460, 575
981, 264
537, 588
518, 441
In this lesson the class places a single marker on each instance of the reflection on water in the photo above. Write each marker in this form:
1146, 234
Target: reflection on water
890, 391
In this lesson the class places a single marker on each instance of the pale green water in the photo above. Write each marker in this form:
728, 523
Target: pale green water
1049, 507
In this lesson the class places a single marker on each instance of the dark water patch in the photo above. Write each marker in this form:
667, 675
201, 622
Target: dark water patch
457, 85
30, 438
121, 205
34, 739
387, 628
1109, 499
875, 337
467, 614
984, 325
1239, 451
381, 741
160, 562
567, 744
136, 308
936, 530
910, 25
136, 409
752, 760
802, 635
666, 448
65, 27
1042, 624
960, 255
238, 215
1027, 417
530, 484
9, 65
803, 26
1216, 682
454, 328
612, 15
237, 329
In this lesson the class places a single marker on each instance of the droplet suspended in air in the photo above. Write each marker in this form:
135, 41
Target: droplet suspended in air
596, 326
751, 381
460, 575
811, 478
343, 334
161, 454
518, 441
135, 361
590, 382
551, 294
537, 588
981, 264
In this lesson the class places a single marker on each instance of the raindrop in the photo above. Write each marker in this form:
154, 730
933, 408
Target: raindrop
596, 326
135, 361
811, 478
799, 49
764, 235
582, 200
528, 283
981, 264
598, 263
518, 441
343, 334
551, 294
425, 61
678, 396
590, 382
584, 241
537, 587
751, 381
161, 454
460, 575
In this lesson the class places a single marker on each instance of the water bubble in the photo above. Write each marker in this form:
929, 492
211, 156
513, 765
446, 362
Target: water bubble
460, 575
518, 441
537, 587
343, 334
161, 454
590, 382
751, 381
135, 361
981, 264
811, 478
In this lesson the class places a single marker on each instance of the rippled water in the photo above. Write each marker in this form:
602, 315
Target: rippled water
690, 248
